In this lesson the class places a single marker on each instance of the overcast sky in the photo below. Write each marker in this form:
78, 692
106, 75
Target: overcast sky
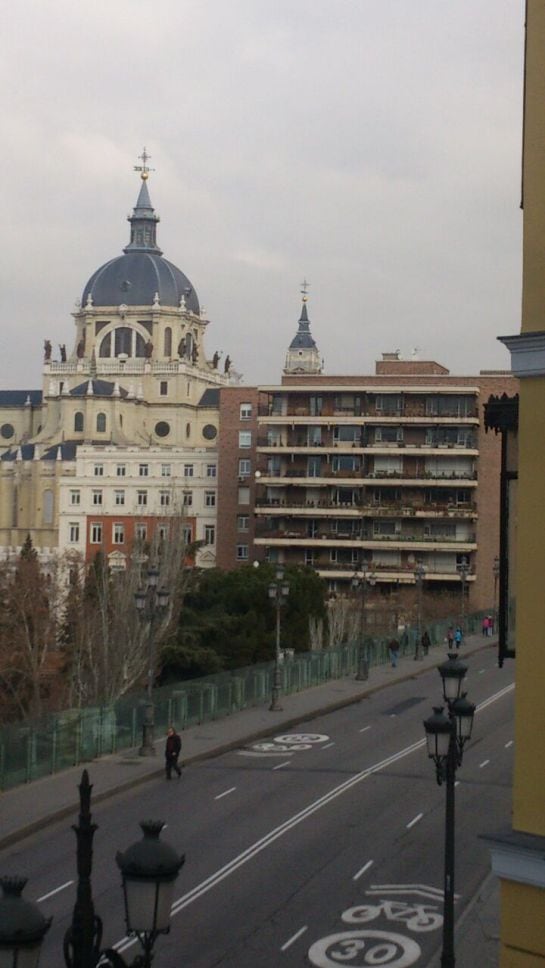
371, 147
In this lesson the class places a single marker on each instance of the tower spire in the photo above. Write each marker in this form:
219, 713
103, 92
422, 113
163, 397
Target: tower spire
143, 219
303, 355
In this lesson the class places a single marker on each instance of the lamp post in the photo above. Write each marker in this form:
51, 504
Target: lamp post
359, 581
496, 574
278, 593
463, 571
446, 737
22, 926
151, 604
419, 572
149, 869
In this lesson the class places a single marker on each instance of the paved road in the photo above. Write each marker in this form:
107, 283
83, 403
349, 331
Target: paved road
302, 849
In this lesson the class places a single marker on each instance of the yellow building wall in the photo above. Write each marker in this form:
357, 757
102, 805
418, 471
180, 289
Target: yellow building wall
523, 928
533, 272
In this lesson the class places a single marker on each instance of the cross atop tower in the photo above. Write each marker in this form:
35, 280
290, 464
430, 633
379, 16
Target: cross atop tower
304, 289
144, 169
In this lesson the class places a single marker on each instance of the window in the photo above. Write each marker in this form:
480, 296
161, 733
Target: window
315, 406
97, 497
168, 342
162, 531
309, 557
187, 537
242, 552
118, 533
209, 534
99, 470
243, 521
119, 498
244, 467
142, 498
389, 403
244, 495
345, 463
210, 499
101, 423
78, 422
73, 532
143, 470
140, 532
165, 470
390, 435
121, 470
346, 434
96, 532
75, 497
314, 466
188, 470
210, 470
188, 499
246, 411
245, 438
164, 499
163, 388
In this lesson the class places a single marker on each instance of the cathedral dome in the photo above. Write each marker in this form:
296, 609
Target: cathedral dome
141, 273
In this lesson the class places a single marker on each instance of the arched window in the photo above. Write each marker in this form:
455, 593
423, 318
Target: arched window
140, 344
47, 510
123, 340
78, 422
101, 423
168, 342
105, 350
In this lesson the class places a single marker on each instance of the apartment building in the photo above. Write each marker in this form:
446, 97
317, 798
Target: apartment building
395, 467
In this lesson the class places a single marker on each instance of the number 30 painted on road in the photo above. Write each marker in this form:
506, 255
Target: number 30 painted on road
360, 949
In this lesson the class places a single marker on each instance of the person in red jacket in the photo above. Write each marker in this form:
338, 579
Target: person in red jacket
172, 752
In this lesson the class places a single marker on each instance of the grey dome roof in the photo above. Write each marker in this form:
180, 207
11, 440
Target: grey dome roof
135, 277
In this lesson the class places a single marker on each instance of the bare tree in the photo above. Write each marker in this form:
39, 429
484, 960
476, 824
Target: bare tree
106, 643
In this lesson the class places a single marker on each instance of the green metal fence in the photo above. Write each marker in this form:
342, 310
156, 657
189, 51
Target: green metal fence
29, 750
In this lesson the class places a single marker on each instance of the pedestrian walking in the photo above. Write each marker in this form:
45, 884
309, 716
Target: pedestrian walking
450, 638
393, 649
490, 629
485, 625
173, 747
458, 636
426, 642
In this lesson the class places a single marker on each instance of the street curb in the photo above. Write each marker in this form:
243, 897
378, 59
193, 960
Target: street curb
17, 835
485, 886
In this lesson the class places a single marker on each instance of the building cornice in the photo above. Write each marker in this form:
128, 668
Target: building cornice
518, 857
527, 353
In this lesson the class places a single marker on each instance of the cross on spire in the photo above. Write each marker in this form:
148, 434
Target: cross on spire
304, 289
144, 169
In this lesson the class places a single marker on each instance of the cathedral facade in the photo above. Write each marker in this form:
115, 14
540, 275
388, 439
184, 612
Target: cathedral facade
124, 432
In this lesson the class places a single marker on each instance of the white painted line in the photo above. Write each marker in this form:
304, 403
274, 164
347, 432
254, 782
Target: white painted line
364, 729
481, 671
280, 765
282, 829
363, 869
510, 743
327, 746
484, 763
56, 891
225, 793
456, 783
414, 820
393, 715
294, 938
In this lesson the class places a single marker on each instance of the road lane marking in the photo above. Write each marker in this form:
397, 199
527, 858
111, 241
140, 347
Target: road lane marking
510, 743
294, 938
414, 820
51, 893
225, 793
364, 729
258, 846
328, 746
484, 763
363, 869
481, 671
280, 765
456, 783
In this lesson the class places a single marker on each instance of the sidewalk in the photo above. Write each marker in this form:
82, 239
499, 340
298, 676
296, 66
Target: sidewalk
28, 808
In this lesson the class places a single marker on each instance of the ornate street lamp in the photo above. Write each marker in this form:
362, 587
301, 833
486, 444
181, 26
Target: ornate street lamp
278, 593
463, 571
148, 868
151, 604
359, 582
419, 573
496, 574
446, 737
22, 926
